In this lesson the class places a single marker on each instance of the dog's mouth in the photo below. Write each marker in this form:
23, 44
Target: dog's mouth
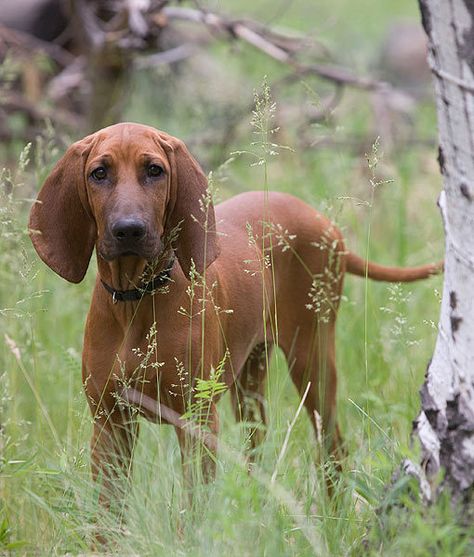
110, 251
129, 252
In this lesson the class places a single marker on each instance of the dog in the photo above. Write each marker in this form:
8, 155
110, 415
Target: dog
186, 293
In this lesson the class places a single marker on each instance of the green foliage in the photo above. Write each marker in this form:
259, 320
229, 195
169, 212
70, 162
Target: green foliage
204, 392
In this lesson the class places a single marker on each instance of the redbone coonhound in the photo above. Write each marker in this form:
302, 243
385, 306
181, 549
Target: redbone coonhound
182, 290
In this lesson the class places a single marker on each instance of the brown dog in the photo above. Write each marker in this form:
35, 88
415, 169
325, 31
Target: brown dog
181, 292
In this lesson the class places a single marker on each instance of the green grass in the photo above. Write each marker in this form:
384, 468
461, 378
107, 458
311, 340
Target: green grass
48, 504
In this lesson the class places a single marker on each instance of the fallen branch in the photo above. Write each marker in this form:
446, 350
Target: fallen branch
284, 497
271, 44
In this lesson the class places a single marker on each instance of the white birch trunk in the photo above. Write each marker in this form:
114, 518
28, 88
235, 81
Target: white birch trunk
445, 426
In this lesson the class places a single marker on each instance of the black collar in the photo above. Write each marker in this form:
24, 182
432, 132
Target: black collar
136, 294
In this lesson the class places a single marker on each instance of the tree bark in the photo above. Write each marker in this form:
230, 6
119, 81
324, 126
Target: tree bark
445, 425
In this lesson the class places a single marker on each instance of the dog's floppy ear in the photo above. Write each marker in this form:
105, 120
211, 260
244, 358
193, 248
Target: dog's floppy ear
61, 228
190, 208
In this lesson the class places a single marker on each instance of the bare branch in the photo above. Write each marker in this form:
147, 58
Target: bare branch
266, 42
170, 56
14, 39
70, 78
136, 16
15, 102
90, 23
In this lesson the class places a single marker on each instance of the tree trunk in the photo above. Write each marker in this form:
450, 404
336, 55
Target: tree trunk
445, 426
108, 63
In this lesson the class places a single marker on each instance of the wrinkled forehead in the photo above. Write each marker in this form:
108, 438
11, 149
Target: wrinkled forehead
127, 144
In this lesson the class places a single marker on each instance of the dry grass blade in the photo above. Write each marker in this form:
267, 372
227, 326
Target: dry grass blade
288, 433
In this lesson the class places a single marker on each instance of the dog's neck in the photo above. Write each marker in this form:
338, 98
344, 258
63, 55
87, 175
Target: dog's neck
123, 273
130, 272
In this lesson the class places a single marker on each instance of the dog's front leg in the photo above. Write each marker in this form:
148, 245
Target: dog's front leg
198, 445
113, 440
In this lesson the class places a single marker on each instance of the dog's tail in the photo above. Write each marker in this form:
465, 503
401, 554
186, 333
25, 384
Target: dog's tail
362, 268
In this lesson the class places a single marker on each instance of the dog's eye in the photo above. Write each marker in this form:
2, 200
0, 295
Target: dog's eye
99, 174
155, 171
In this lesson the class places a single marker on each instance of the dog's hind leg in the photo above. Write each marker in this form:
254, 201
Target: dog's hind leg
248, 394
312, 360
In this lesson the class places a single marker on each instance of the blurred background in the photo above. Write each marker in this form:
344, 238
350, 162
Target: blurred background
343, 75
191, 68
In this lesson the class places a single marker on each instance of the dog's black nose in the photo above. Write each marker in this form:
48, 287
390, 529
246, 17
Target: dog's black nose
128, 229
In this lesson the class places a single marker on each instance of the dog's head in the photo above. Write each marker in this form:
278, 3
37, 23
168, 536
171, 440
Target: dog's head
123, 189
